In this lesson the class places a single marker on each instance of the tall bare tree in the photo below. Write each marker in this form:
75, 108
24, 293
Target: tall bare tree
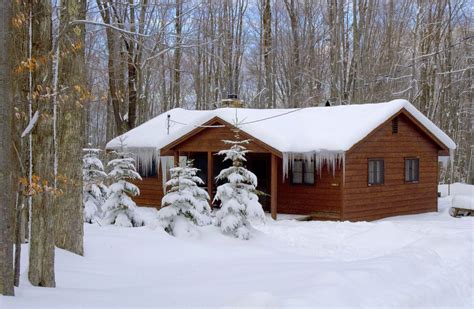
176, 95
6, 151
267, 52
41, 266
69, 228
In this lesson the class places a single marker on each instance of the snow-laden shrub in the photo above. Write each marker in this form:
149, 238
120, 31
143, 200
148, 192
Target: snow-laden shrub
185, 203
119, 208
239, 201
94, 190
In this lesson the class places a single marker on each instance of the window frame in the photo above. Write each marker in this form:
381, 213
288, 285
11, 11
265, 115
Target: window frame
369, 184
303, 173
406, 160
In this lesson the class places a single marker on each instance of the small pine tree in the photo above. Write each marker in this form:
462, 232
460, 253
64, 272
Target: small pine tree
119, 208
94, 190
239, 201
185, 203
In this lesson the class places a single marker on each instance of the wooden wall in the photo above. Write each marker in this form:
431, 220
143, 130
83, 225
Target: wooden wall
323, 199
151, 191
211, 140
394, 197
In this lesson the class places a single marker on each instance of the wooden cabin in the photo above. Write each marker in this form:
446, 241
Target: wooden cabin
352, 162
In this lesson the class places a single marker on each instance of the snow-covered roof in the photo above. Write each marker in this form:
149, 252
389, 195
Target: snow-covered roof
306, 130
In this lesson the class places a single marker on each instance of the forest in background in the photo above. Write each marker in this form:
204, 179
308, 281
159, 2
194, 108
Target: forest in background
84, 71
141, 58
158, 55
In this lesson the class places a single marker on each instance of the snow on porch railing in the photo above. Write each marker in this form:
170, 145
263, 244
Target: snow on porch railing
332, 159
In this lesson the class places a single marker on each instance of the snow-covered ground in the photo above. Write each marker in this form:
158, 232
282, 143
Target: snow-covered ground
412, 261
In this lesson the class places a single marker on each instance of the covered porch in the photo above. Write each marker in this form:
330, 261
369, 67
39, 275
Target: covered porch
204, 142
262, 164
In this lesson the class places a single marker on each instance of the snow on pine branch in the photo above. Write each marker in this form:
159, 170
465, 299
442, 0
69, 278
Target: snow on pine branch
238, 198
94, 190
119, 208
185, 203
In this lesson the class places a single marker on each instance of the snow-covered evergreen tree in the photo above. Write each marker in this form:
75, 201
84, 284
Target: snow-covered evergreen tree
119, 208
239, 201
94, 190
185, 203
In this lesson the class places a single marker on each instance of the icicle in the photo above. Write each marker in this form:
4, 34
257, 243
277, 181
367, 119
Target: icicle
145, 157
166, 164
164, 169
343, 168
285, 166
445, 159
332, 159
158, 161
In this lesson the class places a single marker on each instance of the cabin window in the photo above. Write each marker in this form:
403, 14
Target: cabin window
395, 125
303, 172
376, 172
412, 170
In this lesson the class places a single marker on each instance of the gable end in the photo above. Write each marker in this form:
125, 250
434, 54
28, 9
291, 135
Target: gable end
216, 121
443, 150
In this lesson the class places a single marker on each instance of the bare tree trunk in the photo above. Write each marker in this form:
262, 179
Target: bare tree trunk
7, 163
19, 236
41, 266
113, 74
69, 226
295, 82
267, 53
20, 40
177, 56
132, 48
334, 50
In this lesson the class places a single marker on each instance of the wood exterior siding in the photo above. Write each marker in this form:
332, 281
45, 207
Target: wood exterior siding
151, 191
394, 196
211, 140
323, 199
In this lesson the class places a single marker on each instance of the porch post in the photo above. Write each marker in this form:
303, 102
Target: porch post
176, 158
210, 174
274, 186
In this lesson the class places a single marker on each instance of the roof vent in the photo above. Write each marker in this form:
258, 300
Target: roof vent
232, 101
395, 125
